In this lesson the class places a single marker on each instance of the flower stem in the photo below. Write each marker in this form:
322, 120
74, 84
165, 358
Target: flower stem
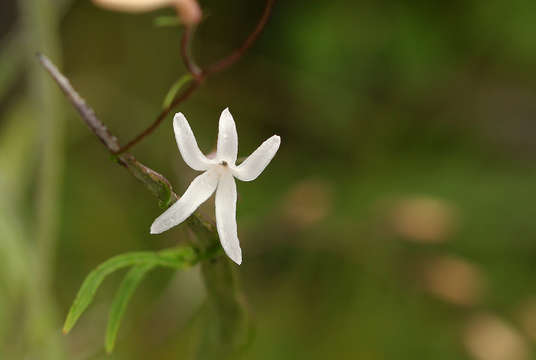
199, 74
220, 281
40, 20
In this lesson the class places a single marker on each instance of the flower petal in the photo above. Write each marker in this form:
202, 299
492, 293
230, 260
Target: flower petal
227, 138
226, 217
188, 145
189, 11
197, 193
258, 160
133, 5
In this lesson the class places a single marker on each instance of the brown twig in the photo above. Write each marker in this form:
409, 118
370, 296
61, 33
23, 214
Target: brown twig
153, 181
199, 74
185, 95
85, 111
238, 53
186, 54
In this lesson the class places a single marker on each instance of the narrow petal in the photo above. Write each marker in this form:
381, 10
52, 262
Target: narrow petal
226, 217
133, 5
188, 145
189, 11
227, 138
197, 193
258, 160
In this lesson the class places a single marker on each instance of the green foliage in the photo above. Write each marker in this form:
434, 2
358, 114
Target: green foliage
174, 89
142, 262
17, 138
129, 284
230, 330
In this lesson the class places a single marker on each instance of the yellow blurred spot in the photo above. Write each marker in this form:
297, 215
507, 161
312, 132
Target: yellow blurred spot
454, 280
308, 202
487, 337
526, 315
423, 219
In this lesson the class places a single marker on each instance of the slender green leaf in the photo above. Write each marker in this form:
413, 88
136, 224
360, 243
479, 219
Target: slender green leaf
119, 305
183, 80
175, 258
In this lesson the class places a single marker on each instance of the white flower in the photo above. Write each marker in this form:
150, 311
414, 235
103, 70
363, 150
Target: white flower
219, 174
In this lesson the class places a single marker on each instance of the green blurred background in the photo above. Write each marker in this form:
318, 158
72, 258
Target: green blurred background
397, 220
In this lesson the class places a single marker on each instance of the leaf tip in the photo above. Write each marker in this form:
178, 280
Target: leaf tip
68, 325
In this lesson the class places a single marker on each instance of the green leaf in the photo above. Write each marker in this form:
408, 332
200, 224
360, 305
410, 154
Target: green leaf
119, 305
183, 80
167, 21
176, 258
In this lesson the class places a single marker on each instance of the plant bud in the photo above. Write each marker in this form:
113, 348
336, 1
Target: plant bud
189, 11
133, 5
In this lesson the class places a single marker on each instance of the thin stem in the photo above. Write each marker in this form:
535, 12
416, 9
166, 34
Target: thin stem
185, 95
156, 183
199, 74
40, 20
186, 54
87, 113
238, 53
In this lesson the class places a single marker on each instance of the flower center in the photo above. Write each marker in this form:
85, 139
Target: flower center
221, 167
